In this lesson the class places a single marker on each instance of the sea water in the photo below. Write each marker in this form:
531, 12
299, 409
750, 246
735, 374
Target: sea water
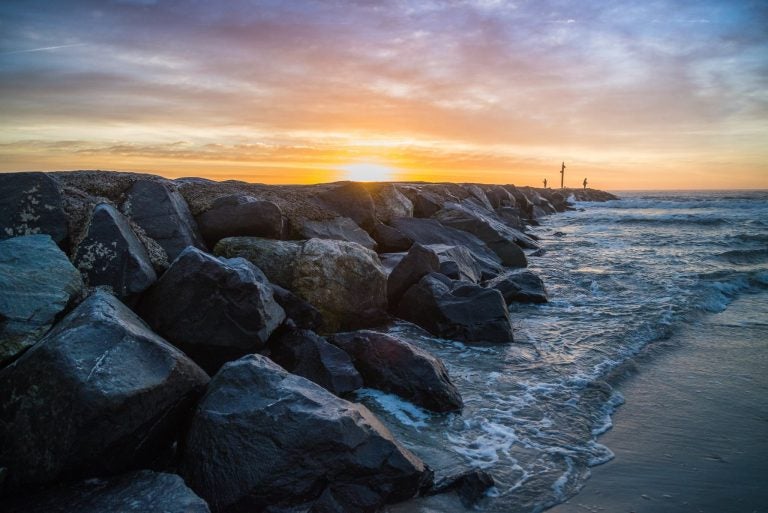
621, 276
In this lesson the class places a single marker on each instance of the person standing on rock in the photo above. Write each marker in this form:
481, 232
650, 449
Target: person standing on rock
585, 184
545, 183
562, 176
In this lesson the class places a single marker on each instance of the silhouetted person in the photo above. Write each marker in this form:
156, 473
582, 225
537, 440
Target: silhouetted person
545, 183
585, 184
562, 176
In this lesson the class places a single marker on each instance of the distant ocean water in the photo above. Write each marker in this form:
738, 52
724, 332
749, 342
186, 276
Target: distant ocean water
621, 275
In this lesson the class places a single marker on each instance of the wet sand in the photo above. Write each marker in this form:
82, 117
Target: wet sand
693, 433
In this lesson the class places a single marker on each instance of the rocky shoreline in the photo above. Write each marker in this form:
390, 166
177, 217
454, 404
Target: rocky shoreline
189, 345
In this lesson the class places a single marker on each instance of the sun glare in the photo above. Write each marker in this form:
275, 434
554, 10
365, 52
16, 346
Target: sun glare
367, 172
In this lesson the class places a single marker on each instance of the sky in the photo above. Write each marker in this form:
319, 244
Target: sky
650, 94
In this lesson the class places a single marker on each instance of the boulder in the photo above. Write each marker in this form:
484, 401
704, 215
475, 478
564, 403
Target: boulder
140, 491
263, 438
164, 215
390, 240
477, 196
389, 202
431, 231
98, 395
511, 217
458, 263
524, 205
519, 287
393, 365
457, 310
37, 283
304, 353
338, 228
417, 262
275, 258
425, 202
31, 203
110, 254
352, 200
499, 197
301, 313
471, 486
343, 280
240, 215
214, 309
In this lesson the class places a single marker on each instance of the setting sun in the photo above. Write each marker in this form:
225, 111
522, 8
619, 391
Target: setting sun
367, 172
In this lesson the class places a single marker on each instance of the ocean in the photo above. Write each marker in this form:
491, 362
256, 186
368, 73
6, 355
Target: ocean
622, 277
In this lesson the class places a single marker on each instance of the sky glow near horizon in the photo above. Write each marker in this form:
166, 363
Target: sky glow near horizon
658, 94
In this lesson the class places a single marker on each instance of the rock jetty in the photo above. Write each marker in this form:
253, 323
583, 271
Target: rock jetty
190, 345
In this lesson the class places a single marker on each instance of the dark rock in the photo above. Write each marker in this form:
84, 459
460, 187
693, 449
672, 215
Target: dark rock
471, 486
262, 437
240, 215
98, 395
477, 196
112, 255
393, 365
276, 258
459, 311
303, 314
37, 282
352, 200
141, 491
216, 310
458, 262
31, 203
163, 214
524, 205
390, 240
425, 202
499, 197
388, 201
309, 355
538, 253
511, 217
418, 262
520, 287
338, 228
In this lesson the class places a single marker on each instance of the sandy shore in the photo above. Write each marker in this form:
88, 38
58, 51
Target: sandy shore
693, 434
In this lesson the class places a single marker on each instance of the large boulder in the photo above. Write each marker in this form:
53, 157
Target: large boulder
338, 228
425, 202
216, 310
458, 263
520, 287
352, 200
31, 203
457, 310
499, 197
389, 202
302, 314
110, 254
390, 240
263, 438
98, 395
306, 354
417, 262
393, 365
343, 280
240, 215
37, 282
140, 491
164, 215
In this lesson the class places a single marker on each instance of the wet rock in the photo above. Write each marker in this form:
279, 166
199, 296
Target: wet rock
390, 240
263, 438
275, 258
511, 217
393, 365
417, 262
306, 354
141, 491
352, 200
240, 215
31, 203
98, 395
163, 214
37, 283
303, 315
520, 287
338, 228
111, 254
389, 202
457, 310
458, 263
216, 310
471, 486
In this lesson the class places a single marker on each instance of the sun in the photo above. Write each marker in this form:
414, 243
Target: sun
368, 172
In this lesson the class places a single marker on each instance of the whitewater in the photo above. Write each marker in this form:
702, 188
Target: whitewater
621, 275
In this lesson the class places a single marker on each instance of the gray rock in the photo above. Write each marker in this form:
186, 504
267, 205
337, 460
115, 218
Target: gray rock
31, 203
306, 354
240, 215
425, 202
458, 262
164, 215
520, 287
110, 254
393, 365
417, 262
389, 202
471, 486
390, 240
142, 492
457, 310
301, 313
338, 228
352, 200
37, 283
98, 395
216, 310
263, 438
274, 257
